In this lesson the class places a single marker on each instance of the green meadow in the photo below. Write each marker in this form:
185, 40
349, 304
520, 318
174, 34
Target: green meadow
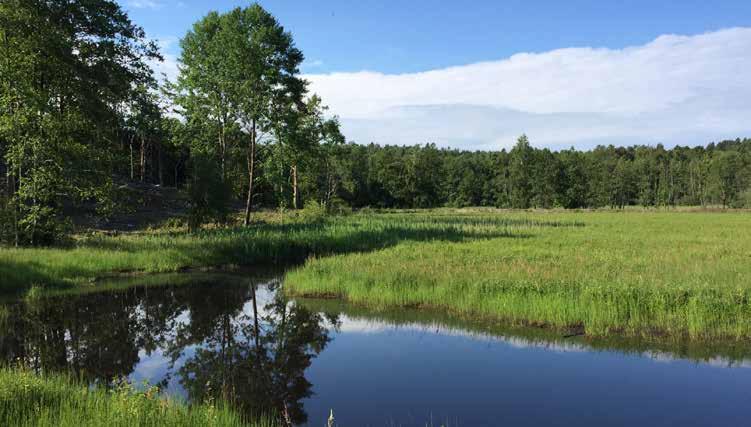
274, 239
632, 272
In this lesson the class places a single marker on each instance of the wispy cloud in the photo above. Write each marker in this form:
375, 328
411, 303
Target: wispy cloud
311, 66
168, 67
144, 4
675, 89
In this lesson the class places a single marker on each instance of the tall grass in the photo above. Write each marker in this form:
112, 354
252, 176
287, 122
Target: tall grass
635, 273
28, 399
720, 352
264, 243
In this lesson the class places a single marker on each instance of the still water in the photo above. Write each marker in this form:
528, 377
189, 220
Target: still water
211, 336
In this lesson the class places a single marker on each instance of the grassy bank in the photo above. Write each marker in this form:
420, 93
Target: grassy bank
636, 273
719, 353
27, 399
633, 272
274, 241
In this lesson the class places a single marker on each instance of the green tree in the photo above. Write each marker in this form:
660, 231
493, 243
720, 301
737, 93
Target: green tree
520, 173
572, 181
234, 66
726, 170
545, 173
66, 70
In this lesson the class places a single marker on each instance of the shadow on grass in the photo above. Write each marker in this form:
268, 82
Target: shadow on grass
295, 240
16, 278
260, 244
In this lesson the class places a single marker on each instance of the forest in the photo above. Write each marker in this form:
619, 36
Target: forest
83, 117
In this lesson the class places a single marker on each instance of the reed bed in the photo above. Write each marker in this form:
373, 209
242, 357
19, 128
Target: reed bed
634, 273
266, 243
55, 400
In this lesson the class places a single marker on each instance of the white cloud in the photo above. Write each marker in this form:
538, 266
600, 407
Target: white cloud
316, 63
675, 90
144, 4
168, 67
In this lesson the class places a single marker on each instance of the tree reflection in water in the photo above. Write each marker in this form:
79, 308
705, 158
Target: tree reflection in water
221, 341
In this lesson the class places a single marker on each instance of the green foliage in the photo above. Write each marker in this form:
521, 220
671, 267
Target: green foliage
519, 174
237, 66
209, 195
7, 220
313, 212
67, 69
727, 171
744, 200
526, 177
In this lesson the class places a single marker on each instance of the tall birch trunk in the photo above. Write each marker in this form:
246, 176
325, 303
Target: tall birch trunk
143, 158
251, 158
295, 194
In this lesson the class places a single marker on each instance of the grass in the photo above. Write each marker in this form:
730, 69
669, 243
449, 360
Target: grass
132, 281
643, 274
724, 353
270, 242
28, 399
634, 273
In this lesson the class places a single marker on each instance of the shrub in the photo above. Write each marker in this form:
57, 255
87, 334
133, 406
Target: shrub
208, 194
313, 212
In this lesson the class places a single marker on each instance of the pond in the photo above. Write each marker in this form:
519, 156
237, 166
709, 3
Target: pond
237, 337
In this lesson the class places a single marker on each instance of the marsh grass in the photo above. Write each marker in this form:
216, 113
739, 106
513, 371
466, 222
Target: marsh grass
274, 243
28, 399
131, 282
4, 315
633, 273
721, 352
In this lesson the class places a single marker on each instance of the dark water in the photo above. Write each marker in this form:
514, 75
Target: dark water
199, 340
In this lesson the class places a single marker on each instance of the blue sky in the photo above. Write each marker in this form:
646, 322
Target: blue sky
637, 49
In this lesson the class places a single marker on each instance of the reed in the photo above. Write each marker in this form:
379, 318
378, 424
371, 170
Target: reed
273, 242
634, 273
55, 400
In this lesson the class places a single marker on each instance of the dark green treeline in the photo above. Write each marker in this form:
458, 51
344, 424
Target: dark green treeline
526, 177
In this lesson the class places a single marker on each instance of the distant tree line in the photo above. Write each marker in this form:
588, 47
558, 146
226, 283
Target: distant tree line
83, 117
526, 177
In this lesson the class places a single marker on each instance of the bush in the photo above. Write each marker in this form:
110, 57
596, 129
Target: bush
174, 222
208, 194
313, 212
744, 200
338, 206
7, 226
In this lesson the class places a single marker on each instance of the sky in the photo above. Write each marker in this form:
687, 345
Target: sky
477, 74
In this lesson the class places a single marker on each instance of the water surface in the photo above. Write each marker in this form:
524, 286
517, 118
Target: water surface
206, 336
